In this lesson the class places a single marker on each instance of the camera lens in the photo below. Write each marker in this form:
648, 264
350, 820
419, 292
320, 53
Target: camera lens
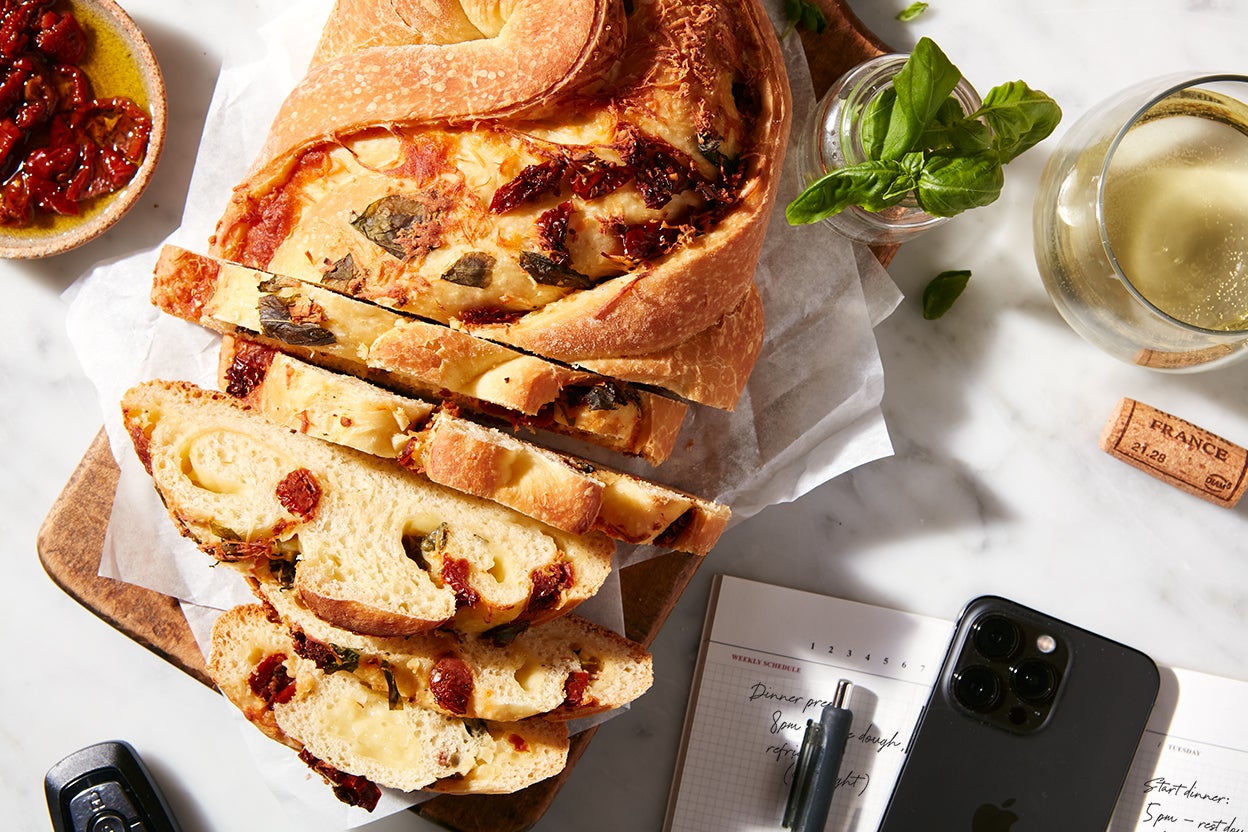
1034, 680
977, 687
996, 637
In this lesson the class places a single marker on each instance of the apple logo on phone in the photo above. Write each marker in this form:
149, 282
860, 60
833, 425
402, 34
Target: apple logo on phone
993, 818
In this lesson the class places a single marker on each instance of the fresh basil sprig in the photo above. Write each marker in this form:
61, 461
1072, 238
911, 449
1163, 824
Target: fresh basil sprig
805, 14
918, 140
911, 12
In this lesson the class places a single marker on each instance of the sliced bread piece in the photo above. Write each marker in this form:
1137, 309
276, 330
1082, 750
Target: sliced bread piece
346, 729
373, 548
413, 355
564, 491
562, 669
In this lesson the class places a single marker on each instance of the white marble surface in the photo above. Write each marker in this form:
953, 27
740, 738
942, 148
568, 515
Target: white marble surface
997, 484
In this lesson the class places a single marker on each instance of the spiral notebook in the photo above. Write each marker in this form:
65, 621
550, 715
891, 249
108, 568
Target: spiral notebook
771, 657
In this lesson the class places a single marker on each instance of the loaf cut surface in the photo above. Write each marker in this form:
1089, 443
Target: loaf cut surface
421, 358
367, 545
348, 730
564, 491
562, 669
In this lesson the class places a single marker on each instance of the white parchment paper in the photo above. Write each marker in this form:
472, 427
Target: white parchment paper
811, 409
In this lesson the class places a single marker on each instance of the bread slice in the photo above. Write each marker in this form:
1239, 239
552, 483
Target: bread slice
416, 356
373, 548
562, 669
347, 729
564, 491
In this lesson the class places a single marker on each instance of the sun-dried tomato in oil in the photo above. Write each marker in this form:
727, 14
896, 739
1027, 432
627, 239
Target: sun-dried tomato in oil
59, 145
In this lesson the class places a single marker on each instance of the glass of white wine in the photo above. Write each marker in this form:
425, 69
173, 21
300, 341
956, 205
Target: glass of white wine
1141, 223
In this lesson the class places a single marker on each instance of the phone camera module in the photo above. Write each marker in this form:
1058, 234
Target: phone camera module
978, 688
996, 637
1034, 681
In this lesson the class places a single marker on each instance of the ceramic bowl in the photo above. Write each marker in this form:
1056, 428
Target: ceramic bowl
119, 62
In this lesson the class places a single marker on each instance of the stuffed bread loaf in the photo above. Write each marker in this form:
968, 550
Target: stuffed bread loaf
583, 182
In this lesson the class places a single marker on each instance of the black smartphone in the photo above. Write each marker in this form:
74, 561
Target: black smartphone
1031, 727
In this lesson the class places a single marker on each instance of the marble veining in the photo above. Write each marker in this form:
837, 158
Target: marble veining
997, 484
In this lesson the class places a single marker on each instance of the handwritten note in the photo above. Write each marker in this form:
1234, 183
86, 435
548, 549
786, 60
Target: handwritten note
770, 662
771, 658
1191, 770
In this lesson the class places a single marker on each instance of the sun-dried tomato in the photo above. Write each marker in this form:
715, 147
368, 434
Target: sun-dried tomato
574, 688
647, 241
451, 683
300, 493
552, 233
247, 368
661, 171
455, 575
351, 789
59, 145
270, 681
548, 585
487, 315
593, 177
531, 183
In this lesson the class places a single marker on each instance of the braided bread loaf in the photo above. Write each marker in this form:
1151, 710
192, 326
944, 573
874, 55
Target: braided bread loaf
586, 184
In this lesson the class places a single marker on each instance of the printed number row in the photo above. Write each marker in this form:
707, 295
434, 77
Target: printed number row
848, 653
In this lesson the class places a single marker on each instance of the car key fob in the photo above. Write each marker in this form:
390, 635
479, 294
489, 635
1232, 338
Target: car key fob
106, 788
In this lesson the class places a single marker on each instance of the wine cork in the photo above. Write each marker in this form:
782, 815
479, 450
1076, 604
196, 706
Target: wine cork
1177, 452
1159, 360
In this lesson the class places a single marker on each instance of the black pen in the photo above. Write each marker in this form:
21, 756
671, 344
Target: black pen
819, 764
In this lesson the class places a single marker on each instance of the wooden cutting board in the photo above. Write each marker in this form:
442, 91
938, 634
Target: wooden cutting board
72, 537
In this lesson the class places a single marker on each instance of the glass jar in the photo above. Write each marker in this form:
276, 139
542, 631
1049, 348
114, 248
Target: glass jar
833, 139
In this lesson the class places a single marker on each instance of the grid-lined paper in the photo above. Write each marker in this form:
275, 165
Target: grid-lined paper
771, 659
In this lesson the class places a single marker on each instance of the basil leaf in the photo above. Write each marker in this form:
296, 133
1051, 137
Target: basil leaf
341, 274
922, 85
942, 291
393, 697
546, 271
873, 185
952, 133
805, 14
276, 322
874, 124
1019, 116
473, 269
911, 12
952, 184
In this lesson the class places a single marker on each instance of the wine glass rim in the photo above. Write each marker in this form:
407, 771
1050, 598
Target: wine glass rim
1176, 84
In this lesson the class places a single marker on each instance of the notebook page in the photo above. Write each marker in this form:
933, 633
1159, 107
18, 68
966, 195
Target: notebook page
770, 659
1191, 770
